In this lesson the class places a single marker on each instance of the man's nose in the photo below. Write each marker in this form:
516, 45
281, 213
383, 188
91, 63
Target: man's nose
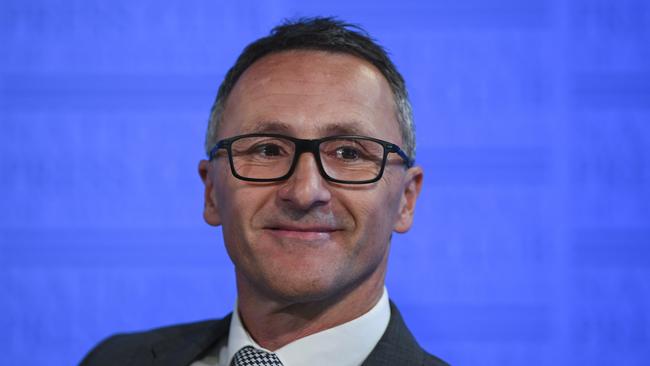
306, 188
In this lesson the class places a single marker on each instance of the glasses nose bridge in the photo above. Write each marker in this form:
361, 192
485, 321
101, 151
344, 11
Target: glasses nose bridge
303, 146
307, 146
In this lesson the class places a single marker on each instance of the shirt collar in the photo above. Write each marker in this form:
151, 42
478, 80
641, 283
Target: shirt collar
347, 344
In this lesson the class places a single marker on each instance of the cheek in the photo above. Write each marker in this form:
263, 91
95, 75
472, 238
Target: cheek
237, 206
232, 202
375, 213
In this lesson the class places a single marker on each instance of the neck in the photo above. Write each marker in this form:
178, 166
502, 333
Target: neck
274, 322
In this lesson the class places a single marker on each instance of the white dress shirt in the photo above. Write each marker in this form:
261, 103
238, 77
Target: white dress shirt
347, 344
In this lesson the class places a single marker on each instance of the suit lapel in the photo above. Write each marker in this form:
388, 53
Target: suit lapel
188, 346
397, 346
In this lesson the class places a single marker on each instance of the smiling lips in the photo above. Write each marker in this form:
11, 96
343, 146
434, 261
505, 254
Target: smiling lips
304, 233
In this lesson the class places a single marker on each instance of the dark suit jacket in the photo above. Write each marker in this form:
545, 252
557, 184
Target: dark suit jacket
180, 345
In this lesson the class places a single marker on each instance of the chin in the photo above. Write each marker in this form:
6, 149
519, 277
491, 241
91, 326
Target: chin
304, 287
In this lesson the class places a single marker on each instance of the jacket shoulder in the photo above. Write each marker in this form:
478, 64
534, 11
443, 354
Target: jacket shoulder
397, 346
128, 348
431, 360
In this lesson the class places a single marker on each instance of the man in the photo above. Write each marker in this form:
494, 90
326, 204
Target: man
307, 179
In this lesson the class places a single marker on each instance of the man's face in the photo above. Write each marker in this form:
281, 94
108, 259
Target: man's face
307, 239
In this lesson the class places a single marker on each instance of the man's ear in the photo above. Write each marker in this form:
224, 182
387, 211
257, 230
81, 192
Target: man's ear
210, 207
412, 186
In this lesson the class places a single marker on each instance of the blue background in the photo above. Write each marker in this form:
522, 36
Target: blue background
531, 244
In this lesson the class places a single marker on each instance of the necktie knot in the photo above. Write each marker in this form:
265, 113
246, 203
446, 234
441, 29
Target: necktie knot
251, 356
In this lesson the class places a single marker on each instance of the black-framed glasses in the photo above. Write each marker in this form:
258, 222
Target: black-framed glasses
349, 159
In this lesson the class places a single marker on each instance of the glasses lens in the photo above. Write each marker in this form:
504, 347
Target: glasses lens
352, 159
262, 157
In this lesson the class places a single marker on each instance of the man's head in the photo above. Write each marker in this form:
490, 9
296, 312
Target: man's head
323, 34
305, 237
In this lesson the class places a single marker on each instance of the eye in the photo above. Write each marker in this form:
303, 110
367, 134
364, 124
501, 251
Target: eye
347, 153
268, 150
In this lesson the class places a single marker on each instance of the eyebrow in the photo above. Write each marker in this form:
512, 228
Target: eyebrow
343, 128
330, 129
270, 127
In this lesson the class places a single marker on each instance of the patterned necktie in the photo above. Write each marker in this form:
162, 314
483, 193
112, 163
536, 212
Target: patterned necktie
250, 356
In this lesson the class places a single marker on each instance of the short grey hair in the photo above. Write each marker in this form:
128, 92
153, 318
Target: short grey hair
319, 34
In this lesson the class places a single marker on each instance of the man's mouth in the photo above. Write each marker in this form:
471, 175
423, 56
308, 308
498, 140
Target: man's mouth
304, 233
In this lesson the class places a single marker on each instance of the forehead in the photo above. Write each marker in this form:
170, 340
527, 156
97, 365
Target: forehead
311, 94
